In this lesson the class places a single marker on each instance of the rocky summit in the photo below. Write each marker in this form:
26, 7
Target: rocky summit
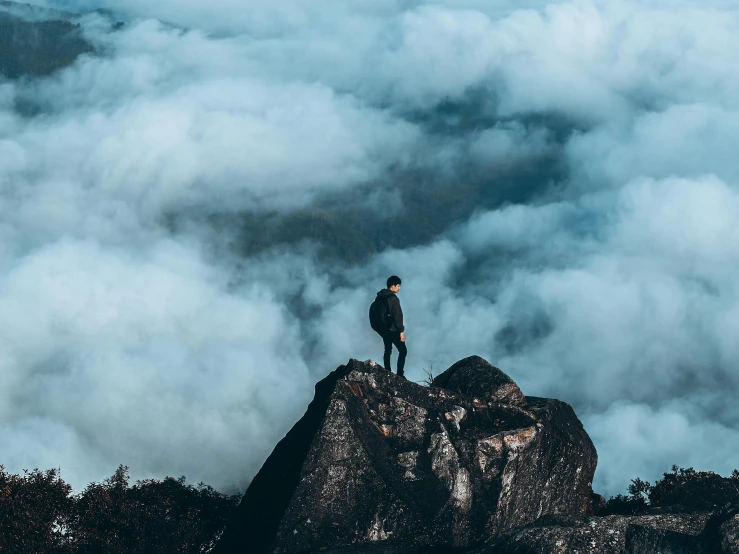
379, 461
381, 465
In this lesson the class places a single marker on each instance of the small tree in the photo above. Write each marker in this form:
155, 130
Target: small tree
635, 503
150, 517
640, 489
38, 514
34, 511
102, 515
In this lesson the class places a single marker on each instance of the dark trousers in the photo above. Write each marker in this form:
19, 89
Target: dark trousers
389, 338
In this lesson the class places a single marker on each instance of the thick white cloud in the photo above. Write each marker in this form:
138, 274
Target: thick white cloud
139, 356
689, 140
643, 441
170, 132
613, 289
641, 309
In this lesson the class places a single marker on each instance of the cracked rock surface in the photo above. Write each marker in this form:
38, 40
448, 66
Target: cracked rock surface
729, 536
643, 534
381, 464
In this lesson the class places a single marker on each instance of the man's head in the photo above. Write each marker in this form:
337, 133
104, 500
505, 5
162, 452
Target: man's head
393, 283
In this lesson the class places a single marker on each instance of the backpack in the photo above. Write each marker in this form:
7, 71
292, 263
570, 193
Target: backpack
379, 315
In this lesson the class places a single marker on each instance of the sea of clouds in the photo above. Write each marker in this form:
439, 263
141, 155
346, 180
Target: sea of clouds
129, 340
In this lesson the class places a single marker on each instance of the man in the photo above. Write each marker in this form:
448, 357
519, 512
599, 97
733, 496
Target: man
394, 334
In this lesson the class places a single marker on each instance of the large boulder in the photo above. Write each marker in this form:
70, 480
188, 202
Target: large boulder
476, 378
644, 534
654, 532
729, 535
380, 460
657, 533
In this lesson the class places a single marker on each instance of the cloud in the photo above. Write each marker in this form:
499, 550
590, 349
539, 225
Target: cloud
689, 140
157, 139
584, 240
146, 350
645, 442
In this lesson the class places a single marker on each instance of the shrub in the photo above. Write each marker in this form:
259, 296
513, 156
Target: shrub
34, 511
38, 514
682, 488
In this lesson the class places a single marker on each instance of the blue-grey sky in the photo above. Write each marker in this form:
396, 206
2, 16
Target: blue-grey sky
608, 282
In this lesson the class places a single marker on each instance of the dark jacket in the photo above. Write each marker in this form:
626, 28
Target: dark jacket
393, 306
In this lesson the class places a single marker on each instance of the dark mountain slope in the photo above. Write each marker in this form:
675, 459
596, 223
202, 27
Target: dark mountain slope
31, 46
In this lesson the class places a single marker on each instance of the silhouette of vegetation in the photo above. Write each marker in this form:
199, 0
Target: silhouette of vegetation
681, 489
34, 510
38, 513
37, 48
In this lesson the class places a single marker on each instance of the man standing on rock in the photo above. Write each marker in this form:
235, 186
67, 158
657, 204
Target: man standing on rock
386, 318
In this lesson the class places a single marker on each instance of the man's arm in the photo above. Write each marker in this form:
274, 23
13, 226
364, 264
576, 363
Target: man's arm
397, 313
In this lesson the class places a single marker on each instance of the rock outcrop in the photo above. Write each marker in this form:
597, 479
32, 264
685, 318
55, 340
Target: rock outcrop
729, 535
644, 534
381, 464
475, 377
